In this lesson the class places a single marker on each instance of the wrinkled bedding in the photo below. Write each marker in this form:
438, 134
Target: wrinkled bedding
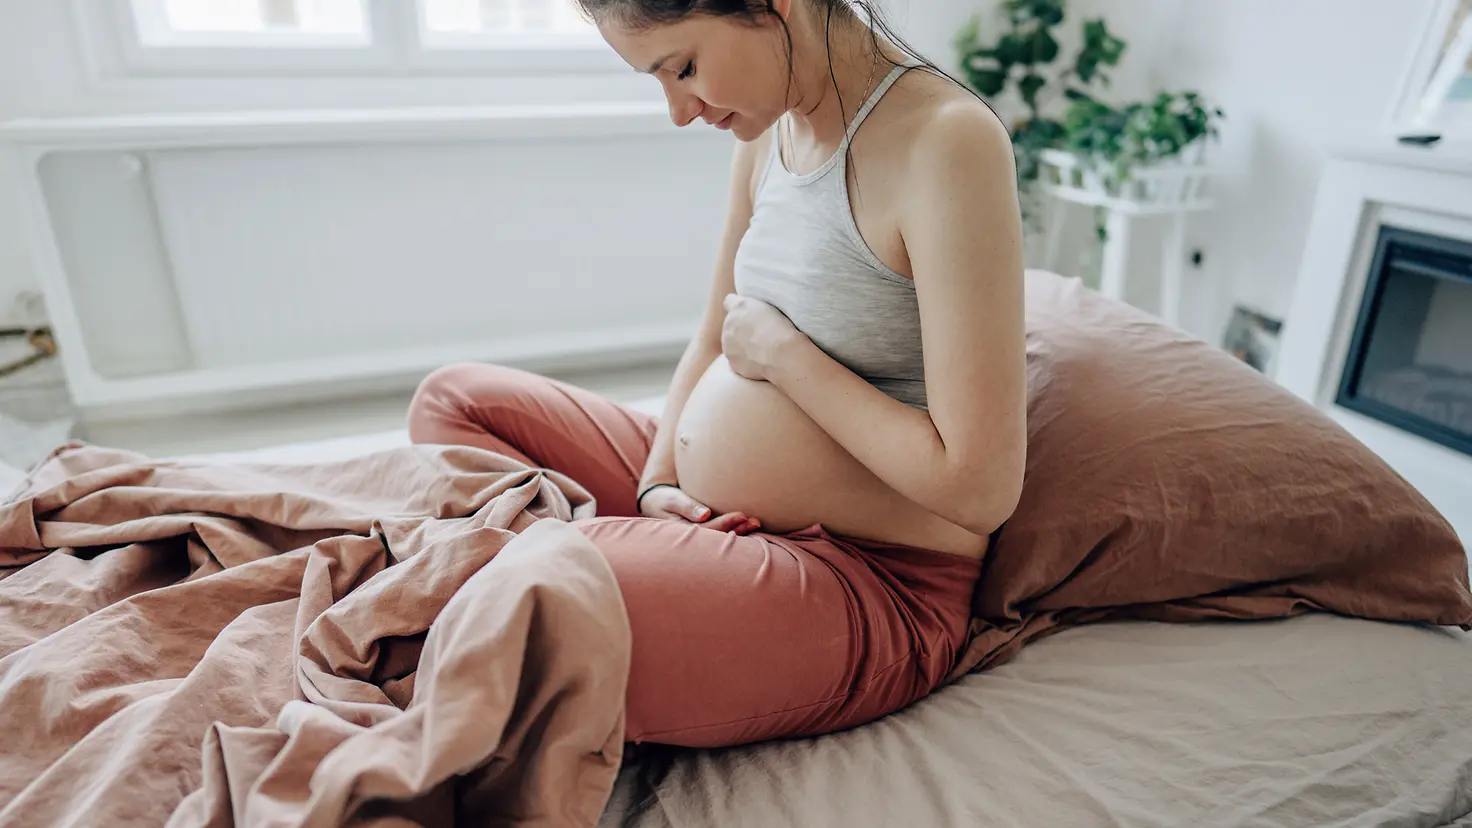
1318, 720
411, 637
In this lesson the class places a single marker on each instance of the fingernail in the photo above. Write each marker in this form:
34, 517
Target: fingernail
702, 512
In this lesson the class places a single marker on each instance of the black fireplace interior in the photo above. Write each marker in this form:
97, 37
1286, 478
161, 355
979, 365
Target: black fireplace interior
1410, 359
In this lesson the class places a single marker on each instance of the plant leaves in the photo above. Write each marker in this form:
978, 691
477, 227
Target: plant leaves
1113, 142
1044, 47
1101, 46
1018, 11
1029, 86
1012, 49
1116, 142
989, 82
1029, 139
1085, 67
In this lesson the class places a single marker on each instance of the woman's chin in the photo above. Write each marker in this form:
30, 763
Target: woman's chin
745, 130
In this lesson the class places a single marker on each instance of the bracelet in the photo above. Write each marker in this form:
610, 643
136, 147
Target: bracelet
639, 501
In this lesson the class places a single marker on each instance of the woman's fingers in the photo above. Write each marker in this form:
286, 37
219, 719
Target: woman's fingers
728, 522
689, 508
750, 525
734, 522
669, 503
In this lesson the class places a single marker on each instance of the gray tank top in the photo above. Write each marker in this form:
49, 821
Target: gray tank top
803, 254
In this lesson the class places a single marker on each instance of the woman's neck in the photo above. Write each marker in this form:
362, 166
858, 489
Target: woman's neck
832, 66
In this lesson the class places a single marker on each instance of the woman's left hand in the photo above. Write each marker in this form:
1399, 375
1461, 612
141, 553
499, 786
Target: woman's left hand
755, 336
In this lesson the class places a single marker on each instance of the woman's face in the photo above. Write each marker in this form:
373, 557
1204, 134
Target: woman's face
721, 70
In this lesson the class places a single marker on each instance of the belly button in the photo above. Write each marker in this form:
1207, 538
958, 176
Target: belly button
684, 439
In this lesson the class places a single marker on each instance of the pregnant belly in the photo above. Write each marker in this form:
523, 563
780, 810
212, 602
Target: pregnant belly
743, 446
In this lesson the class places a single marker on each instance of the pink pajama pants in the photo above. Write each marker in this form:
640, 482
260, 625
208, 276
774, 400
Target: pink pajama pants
735, 639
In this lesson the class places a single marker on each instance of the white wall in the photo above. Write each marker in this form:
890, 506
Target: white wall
1297, 78
931, 25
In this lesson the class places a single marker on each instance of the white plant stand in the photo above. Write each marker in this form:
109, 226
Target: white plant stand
1173, 190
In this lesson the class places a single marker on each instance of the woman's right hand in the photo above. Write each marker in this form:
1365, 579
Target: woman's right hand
671, 503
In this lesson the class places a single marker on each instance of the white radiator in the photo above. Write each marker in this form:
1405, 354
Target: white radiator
198, 262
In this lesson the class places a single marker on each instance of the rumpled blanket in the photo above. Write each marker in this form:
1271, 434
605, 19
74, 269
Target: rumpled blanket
412, 637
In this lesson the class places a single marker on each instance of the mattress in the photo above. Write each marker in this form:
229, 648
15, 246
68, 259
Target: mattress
1313, 721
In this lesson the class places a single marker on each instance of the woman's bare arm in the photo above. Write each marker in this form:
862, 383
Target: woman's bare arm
963, 460
706, 345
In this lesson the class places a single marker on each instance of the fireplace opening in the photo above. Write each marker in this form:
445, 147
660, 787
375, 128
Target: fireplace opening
1410, 359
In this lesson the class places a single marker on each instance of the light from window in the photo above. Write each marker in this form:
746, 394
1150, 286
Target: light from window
1461, 89
497, 17
1451, 83
171, 19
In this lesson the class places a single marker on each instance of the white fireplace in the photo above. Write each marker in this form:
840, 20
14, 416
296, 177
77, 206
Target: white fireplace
1380, 332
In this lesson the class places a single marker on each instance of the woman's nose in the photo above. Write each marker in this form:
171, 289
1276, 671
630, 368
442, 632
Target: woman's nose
684, 109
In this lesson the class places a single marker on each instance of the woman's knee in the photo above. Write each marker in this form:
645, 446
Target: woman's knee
450, 392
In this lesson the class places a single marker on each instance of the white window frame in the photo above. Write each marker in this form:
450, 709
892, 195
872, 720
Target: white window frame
395, 47
1452, 121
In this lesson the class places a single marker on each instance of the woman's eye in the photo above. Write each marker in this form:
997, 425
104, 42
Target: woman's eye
688, 71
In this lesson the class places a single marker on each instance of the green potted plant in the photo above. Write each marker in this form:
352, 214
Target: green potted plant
1101, 146
1112, 144
1024, 57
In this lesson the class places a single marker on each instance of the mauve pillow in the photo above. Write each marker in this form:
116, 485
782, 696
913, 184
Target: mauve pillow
1167, 480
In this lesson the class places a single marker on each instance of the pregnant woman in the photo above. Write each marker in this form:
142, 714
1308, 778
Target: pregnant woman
798, 537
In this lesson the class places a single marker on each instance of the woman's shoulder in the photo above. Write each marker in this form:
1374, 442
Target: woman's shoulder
937, 118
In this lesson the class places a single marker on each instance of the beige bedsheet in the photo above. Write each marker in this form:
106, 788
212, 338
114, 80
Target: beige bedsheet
1315, 721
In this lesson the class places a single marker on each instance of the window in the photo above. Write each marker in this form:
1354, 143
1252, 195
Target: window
446, 20
1439, 97
504, 24
248, 37
243, 22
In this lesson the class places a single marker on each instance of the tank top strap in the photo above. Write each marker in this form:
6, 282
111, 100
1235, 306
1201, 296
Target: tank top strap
873, 101
774, 155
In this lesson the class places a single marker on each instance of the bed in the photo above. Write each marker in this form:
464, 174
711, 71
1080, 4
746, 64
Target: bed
1311, 721
1314, 720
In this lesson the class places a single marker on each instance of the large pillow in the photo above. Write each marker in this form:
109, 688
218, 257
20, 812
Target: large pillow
1167, 480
